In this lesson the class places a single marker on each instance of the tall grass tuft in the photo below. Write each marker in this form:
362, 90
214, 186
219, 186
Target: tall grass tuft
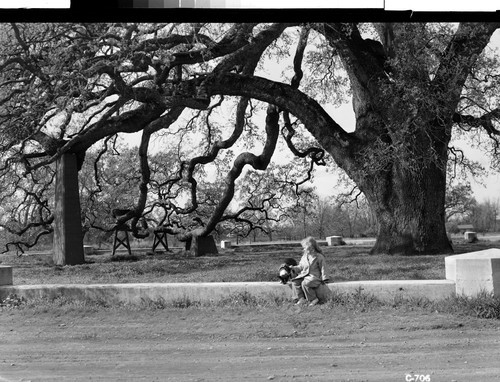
240, 299
184, 303
484, 305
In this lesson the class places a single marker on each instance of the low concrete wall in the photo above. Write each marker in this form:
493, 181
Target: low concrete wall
205, 292
137, 292
390, 289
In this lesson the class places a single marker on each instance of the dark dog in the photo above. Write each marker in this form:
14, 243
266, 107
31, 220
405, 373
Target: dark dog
285, 273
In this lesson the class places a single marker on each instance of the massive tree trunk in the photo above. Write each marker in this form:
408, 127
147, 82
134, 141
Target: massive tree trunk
410, 211
402, 173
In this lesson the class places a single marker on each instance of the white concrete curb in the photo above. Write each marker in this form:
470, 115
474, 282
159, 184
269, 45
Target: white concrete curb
207, 292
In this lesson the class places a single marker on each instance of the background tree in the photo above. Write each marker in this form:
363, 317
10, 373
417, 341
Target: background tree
459, 201
65, 87
109, 180
483, 216
264, 198
323, 223
26, 205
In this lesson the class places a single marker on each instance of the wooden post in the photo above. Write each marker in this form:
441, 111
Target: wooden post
68, 236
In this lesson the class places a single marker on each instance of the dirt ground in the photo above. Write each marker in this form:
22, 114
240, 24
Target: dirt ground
285, 343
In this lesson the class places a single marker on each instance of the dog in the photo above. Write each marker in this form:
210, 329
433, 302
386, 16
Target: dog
285, 273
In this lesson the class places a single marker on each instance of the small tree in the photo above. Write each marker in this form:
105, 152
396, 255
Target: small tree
459, 201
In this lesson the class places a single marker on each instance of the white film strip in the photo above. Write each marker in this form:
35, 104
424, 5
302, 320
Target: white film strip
35, 4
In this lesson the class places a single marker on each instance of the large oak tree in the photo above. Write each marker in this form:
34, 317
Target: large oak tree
65, 87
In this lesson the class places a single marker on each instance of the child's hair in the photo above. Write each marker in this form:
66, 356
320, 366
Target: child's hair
310, 245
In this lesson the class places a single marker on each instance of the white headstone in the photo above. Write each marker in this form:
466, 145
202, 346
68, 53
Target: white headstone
334, 240
470, 236
225, 244
475, 272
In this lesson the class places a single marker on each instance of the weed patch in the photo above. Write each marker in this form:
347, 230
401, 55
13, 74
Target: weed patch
484, 305
239, 299
358, 301
161, 303
184, 303
12, 301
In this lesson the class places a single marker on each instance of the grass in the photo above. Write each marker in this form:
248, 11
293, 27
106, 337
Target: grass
483, 306
248, 264
345, 263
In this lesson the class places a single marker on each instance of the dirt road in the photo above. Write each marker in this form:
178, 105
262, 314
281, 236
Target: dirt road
245, 344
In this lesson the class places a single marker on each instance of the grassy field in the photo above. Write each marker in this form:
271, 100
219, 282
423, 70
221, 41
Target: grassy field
350, 337
248, 263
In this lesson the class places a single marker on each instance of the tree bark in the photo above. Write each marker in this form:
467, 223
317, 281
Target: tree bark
68, 236
410, 211
201, 245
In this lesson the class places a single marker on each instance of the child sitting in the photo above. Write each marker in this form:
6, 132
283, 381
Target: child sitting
311, 275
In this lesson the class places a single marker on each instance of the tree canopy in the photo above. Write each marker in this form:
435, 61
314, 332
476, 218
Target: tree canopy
71, 87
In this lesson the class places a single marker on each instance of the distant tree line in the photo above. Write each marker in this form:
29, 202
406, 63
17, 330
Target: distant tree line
483, 216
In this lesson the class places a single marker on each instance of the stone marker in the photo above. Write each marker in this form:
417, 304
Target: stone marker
475, 272
335, 240
225, 244
5, 275
470, 237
